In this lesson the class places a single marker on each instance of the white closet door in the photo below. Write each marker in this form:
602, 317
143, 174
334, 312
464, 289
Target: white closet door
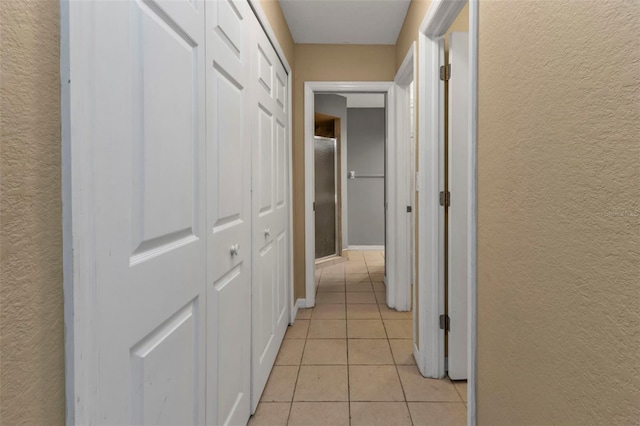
228, 212
459, 215
270, 206
145, 125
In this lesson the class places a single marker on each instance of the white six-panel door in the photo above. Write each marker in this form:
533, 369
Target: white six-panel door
268, 113
459, 185
146, 130
228, 166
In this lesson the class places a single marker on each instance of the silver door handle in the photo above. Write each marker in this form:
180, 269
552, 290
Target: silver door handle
235, 249
267, 232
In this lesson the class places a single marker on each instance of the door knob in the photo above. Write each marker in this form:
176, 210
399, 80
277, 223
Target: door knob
267, 232
235, 249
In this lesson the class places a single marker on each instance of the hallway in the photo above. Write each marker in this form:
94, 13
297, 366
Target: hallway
349, 360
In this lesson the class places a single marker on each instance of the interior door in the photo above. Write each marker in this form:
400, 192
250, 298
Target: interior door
269, 121
145, 124
229, 29
459, 184
325, 176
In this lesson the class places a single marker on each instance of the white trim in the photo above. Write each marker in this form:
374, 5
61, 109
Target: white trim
80, 312
440, 16
310, 87
366, 248
473, 217
430, 214
437, 21
401, 284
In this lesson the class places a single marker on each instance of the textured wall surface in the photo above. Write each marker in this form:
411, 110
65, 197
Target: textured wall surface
410, 27
31, 309
274, 14
558, 213
326, 62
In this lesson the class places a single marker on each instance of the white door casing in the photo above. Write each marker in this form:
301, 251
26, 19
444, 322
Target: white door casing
229, 256
268, 111
459, 186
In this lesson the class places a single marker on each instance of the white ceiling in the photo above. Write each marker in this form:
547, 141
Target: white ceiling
345, 21
364, 100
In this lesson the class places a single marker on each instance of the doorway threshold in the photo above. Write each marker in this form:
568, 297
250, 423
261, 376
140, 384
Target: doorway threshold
330, 260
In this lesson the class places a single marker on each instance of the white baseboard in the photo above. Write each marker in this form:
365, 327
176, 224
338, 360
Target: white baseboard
366, 248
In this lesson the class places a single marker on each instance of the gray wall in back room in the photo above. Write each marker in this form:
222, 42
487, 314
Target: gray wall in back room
365, 156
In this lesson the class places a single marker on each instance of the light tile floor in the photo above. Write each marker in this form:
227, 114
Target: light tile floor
349, 360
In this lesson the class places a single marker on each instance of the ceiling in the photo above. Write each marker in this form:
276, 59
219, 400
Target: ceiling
345, 21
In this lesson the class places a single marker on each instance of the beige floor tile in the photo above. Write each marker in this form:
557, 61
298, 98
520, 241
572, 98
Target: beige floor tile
375, 269
402, 350
270, 414
461, 387
379, 286
330, 311
325, 352
290, 352
357, 266
319, 414
381, 297
331, 286
331, 279
363, 311
364, 286
380, 414
388, 313
322, 383
365, 329
328, 275
357, 277
304, 313
374, 383
438, 413
376, 276
418, 388
281, 384
298, 330
332, 297
369, 351
399, 329
360, 297
328, 329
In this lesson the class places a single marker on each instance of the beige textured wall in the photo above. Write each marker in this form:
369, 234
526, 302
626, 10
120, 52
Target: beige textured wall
31, 310
410, 27
326, 62
274, 14
559, 213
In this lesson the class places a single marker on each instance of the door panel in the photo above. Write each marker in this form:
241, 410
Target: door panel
270, 295
229, 213
459, 184
147, 139
325, 163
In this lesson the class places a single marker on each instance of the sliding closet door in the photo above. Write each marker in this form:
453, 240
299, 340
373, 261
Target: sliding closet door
228, 167
269, 120
134, 112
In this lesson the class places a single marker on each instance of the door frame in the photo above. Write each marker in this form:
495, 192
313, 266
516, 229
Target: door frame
400, 285
310, 89
439, 17
78, 240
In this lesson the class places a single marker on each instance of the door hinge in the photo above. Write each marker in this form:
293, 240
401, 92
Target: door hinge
409, 209
314, 206
445, 323
445, 72
445, 198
